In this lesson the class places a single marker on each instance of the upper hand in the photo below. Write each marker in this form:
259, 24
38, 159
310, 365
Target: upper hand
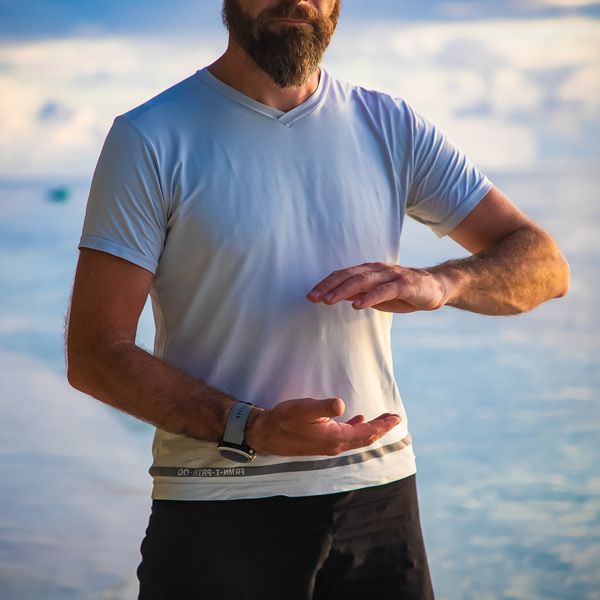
305, 427
384, 286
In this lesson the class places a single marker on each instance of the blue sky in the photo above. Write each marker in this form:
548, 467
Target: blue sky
515, 83
35, 18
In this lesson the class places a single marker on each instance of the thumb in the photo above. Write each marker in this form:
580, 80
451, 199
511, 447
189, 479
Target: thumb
336, 407
323, 408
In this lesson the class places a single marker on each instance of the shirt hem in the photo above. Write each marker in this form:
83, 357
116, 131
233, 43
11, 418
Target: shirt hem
97, 243
469, 203
339, 479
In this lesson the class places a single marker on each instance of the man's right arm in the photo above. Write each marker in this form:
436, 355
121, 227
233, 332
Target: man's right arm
103, 361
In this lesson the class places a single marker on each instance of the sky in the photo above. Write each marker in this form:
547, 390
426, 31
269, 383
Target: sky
516, 84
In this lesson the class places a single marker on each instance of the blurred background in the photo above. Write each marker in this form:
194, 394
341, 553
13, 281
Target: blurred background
503, 410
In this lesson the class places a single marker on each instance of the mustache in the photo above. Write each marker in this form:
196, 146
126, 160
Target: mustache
290, 10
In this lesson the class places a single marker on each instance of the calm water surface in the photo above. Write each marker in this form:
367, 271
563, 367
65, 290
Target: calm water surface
503, 412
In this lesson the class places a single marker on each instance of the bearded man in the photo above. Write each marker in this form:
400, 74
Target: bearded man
260, 203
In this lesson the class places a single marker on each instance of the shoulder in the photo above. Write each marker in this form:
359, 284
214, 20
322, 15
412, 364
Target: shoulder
389, 118
163, 109
384, 110
367, 96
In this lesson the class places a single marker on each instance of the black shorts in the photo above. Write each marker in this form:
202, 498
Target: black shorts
361, 544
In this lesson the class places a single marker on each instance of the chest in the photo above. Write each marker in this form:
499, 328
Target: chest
284, 192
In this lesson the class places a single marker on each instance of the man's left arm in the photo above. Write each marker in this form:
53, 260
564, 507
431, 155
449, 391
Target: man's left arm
515, 266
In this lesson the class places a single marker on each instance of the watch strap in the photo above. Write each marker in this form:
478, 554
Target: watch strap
236, 423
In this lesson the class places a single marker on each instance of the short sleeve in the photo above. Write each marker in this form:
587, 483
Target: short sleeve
445, 185
126, 213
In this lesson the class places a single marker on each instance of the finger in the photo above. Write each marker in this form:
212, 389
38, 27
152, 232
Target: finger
389, 420
356, 420
313, 409
335, 278
362, 282
364, 434
385, 415
382, 293
395, 306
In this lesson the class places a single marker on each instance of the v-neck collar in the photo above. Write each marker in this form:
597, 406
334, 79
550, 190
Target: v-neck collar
286, 118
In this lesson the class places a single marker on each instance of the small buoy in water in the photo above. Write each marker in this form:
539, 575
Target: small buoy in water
59, 194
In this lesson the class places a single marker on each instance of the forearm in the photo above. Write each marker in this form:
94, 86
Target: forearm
132, 380
128, 378
514, 275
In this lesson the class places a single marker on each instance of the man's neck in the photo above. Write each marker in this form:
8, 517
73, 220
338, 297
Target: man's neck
239, 71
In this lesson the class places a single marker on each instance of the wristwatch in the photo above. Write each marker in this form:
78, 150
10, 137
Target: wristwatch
232, 445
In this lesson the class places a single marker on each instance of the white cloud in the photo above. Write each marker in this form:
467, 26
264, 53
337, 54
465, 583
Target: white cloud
95, 79
492, 85
583, 87
513, 91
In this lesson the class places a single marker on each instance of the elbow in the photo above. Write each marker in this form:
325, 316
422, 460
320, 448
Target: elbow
74, 375
566, 279
559, 272
76, 361
87, 363
563, 277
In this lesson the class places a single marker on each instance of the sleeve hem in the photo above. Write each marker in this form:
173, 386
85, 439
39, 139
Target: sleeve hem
98, 243
465, 207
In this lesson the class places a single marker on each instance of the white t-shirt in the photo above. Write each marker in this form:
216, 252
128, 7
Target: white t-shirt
239, 209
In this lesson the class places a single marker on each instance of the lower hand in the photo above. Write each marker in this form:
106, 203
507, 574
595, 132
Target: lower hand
386, 287
305, 427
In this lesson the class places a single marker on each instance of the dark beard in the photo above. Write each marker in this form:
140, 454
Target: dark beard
291, 56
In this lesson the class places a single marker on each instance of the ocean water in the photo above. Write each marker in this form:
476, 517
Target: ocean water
503, 412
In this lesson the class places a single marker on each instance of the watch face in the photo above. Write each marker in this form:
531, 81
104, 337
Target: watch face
235, 455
